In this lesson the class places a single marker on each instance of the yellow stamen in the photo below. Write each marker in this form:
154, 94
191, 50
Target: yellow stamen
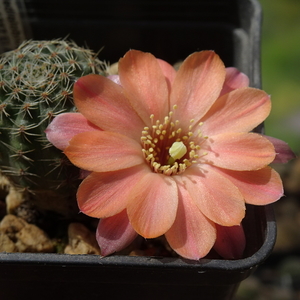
170, 148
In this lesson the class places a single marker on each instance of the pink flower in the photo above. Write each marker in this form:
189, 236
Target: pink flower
169, 153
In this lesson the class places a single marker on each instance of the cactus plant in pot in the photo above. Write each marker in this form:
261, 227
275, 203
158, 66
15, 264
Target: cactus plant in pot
164, 277
36, 84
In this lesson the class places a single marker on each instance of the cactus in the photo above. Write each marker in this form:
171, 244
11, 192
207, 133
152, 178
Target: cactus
36, 82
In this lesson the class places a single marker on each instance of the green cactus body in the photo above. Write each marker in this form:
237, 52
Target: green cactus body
36, 83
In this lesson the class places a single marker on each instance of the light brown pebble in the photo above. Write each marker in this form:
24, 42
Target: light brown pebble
33, 239
13, 200
6, 244
26, 237
11, 224
4, 186
81, 240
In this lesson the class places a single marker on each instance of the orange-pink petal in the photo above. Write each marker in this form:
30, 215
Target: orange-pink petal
197, 85
153, 205
258, 187
102, 151
230, 242
102, 195
114, 233
234, 80
283, 152
168, 71
238, 111
65, 126
239, 151
144, 84
215, 195
102, 102
192, 235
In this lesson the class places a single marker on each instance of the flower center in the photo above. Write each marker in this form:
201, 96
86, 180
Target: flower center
177, 150
168, 149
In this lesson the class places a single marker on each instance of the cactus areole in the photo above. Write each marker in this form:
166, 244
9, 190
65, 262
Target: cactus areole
36, 83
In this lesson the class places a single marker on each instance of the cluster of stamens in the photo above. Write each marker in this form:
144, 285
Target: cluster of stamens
168, 149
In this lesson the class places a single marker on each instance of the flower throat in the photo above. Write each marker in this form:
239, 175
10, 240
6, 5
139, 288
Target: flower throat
167, 148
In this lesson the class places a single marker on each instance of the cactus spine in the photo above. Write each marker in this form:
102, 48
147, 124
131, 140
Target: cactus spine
36, 82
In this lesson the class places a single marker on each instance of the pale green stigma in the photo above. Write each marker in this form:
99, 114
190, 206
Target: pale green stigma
177, 151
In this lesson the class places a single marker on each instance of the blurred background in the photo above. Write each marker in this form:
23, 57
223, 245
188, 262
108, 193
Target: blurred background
281, 68
279, 277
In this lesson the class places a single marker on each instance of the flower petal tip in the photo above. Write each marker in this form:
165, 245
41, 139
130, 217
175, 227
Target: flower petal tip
230, 242
114, 233
283, 152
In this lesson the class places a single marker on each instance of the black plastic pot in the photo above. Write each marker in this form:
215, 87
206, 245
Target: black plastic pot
60, 276
170, 29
